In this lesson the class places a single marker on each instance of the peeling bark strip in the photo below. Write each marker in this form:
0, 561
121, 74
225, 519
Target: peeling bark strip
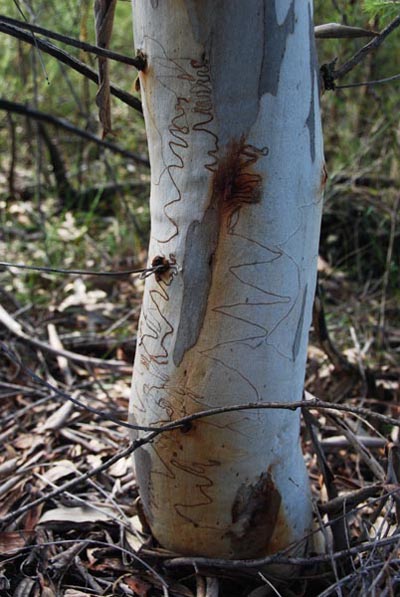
236, 162
104, 11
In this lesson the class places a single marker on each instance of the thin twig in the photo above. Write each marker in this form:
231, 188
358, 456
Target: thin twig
339, 31
369, 83
137, 62
362, 451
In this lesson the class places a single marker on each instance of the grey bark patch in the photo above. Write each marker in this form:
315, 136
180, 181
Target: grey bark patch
314, 71
201, 242
300, 325
143, 466
254, 517
274, 47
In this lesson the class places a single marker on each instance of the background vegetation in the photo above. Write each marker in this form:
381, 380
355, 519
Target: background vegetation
94, 215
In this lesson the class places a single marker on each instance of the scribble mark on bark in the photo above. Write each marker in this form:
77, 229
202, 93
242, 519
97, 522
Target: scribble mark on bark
154, 327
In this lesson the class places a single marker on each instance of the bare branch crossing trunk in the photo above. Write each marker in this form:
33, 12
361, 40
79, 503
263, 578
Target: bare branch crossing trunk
231, 104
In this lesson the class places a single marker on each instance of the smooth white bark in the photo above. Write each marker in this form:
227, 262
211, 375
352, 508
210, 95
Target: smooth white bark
231, 106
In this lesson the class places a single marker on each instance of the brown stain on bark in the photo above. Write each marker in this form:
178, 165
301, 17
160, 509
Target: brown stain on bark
324, 176
256, 514
235, 183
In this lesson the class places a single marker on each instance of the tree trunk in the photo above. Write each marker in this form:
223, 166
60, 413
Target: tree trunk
231, 104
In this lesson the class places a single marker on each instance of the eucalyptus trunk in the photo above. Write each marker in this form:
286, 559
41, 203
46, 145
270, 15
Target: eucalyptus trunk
231, 105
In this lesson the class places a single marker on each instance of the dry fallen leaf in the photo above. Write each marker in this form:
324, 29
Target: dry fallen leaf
120, 468
61, 469
77, 515
139, 586
58, 419
12, 541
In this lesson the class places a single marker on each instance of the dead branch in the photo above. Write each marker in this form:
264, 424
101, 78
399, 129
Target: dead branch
70, 61
365, 50
136, 62
67, 126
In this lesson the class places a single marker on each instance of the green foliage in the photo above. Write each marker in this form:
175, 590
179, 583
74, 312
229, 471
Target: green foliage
382, 8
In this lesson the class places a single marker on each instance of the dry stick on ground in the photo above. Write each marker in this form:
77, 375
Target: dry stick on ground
70, 61
64, 124
350, 500
338, 526
362, 451
138, 62
15, 328
369, 47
